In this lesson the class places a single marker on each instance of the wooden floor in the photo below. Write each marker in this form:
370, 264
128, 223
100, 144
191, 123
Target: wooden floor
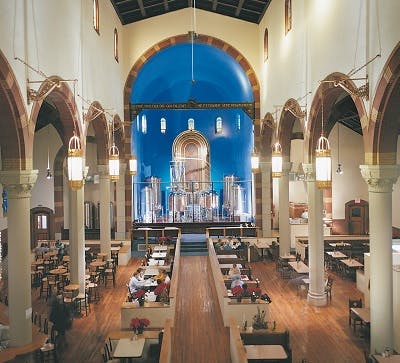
316, 334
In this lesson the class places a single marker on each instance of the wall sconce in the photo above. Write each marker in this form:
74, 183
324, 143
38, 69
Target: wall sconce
276, 160
218, 125
163, 125
133, 165
75, 163
190, 124
323, 160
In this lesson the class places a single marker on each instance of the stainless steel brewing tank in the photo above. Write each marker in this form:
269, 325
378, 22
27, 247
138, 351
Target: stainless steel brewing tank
229, 181
146, 200
238, 198
89, 215
155, 184
177, 201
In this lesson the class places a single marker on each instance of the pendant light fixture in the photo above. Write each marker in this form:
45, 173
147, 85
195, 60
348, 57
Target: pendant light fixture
276, 160
323, 160
75, 160
218, 125
339, 170
49, 174
75, 163
113, 158
163, 125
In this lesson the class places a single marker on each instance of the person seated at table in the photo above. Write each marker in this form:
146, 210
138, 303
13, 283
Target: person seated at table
227, 246
135, 283
236, 281
163, 276
234, 271
161, 286
141, 273
148, 254
43, 249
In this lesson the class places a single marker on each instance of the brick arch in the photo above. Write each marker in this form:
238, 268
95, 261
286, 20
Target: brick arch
330, 94
16, 133
168, 42
101, 131
64, 100
382, 131
290, 112
59, 189
267, 130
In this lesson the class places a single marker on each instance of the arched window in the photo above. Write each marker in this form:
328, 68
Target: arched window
265, 44
96, 17
288, 15
116, 44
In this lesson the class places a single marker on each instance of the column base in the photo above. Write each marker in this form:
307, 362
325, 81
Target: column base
316, 299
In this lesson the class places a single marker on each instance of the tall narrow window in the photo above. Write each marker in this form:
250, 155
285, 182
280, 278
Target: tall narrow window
288, 15
265, 44
116, 44
96, 17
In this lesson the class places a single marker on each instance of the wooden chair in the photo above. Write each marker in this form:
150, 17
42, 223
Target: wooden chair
353, 318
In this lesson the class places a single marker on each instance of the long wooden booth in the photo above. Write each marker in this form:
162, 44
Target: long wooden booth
157, 313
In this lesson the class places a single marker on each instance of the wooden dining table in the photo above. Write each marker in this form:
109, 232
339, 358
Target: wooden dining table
129, 348
300, 267
395, 358
58, 271
267, 352
71, 287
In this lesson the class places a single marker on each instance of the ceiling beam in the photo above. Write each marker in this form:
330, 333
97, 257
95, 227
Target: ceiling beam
140, 2
239, 8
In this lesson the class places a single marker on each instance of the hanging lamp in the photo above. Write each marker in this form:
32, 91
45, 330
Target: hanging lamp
75, 163
323, 160
133, 165
113, 159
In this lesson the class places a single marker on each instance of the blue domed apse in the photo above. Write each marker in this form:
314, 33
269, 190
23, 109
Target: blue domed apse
167, 78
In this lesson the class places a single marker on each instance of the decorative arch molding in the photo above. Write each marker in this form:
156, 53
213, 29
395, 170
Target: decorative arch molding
290, 112
382, 131
193, 147
330, 94
16, 133
63, 99
182, 38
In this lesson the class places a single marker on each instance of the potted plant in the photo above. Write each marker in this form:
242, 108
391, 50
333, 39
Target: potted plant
237, 291
139, 295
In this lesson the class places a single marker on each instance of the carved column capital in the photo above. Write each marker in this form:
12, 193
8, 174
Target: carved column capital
103, 171
380, 178
19, 183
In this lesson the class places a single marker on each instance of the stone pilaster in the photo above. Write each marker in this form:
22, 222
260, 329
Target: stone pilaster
284, 226
316, 292
266, 202
120, 233
380, 180
19, 185
105, 225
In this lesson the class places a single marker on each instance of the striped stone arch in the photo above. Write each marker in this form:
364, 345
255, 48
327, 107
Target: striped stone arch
290, 112
382, 132
100, 127
168, 42
329, 93
16, 133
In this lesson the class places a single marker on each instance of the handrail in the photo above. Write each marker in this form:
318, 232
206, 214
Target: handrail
166, 347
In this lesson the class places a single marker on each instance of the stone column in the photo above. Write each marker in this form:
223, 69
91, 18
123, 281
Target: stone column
284, 226
105, 226
120, 233
266, 204
316, 292
77, 237
380, 180
19, 185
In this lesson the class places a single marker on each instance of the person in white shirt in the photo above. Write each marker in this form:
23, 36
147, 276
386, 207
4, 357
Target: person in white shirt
135, 283
236, 281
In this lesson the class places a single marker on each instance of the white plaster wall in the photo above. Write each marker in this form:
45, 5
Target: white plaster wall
350, 184
46, 140
140, 36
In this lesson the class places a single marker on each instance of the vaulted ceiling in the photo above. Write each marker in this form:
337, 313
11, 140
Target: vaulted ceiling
130, 11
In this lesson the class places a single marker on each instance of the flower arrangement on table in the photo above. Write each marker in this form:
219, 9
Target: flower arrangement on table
139, 295
138, 324
237, 291
259, 320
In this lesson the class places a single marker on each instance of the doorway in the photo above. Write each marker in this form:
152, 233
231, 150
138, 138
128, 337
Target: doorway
42, 225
